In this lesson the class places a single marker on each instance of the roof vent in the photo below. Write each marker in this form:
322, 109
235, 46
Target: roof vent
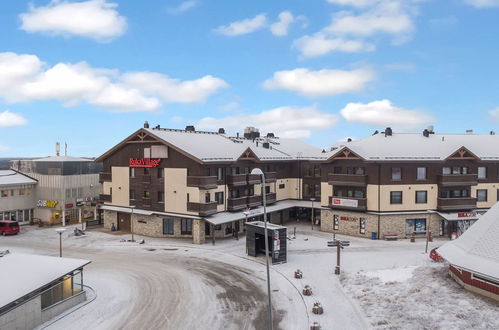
146, 124
492, 133
270, 135
469, 131
349, 140
251, 133
266, 145
221, 130
426, 133
388, 131
190, 128
157, 127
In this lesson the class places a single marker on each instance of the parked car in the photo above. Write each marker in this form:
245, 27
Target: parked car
435, 256
9, 227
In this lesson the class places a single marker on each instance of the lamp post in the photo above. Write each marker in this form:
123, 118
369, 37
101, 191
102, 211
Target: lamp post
312, 199
257, 171
60, 231
131, 223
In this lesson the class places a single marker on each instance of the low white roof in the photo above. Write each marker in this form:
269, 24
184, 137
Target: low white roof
477, 249
411, 146
125, 209
10, 177
62, 159
21, 274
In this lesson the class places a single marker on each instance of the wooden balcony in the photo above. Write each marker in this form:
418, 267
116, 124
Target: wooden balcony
343, 203
350, 180
237, 179
235, 204
105, 177
254, 179
203, 209
456, 204
270, 198
254, 201
105, 198
270, 177
203, 182
449, 180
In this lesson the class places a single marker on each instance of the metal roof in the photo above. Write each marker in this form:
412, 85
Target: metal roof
11, 177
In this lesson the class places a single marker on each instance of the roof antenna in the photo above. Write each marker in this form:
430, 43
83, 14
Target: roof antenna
65, 149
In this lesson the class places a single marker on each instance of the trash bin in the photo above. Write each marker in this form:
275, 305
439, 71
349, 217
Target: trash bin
374, 235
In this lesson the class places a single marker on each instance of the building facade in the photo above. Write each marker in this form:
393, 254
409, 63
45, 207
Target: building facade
17, 199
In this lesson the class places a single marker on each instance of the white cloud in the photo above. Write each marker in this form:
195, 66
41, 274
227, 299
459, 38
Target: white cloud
96, 19
4, 148
25, 78
400, 67
280, 28
320, 44
384, 113
320, 83
353, 3
9, 119
183, 7
296, 122
494, 114
483, 3
245, 26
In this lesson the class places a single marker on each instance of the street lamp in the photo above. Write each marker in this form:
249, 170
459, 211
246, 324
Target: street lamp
131, 223
312, 199
257, 171
60, 231
339, 245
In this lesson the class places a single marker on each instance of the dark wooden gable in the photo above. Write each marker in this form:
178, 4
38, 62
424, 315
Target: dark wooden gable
248, 154
463, 153
142, 137
345, 153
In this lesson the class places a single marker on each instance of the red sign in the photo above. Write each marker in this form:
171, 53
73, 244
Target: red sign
144, 162
348, 218
69, 206
469, 214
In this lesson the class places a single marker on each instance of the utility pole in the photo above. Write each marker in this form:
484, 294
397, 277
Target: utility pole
339, 245
312, 199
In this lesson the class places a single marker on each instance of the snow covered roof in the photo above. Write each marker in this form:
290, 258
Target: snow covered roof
11, 177
62, 159
410, 146
215, 147
477, 249
125, 209
21, 274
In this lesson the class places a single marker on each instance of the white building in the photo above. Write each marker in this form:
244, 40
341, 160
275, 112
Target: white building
17, 200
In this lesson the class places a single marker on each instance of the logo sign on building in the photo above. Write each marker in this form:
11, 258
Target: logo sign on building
44, 203
144, 162
473, 214
277, 241
345, 202
345, 218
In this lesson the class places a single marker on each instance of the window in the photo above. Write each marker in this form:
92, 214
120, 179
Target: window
186, 226
132, 194
74, 192
80, 192
220, 173
362, 225
219, 197
160, 173
5, 193
482, 172
132, 172
456, 170
188, 198
421, 173
147, 171
147, 194
267, 190
396, 173
234, 170
282, 186
161, 196
22, 192
355, 170
147, 152
455, 193
481, 195
417, 226
446, 170
421, 197
337, 170
168, 226
234, 193
317, 171
395, 197
336, 222
207, 197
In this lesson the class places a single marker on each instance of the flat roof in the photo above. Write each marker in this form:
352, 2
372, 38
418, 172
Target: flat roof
21, 274
128, 209
262, 225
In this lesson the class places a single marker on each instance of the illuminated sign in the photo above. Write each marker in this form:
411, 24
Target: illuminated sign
44, 203
144, 162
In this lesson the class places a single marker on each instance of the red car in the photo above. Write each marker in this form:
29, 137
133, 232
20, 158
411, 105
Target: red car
9, 227
435, 256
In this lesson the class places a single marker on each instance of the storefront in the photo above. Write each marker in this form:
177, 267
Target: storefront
455, 224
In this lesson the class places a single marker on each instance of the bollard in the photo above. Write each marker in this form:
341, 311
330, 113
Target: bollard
315, 326
317, 309
298, 274
307, 290
413, 237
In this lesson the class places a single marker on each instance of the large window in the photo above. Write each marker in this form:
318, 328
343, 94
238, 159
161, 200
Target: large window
219, 197
395, 197
355, 170
456, 170
421, 197
455, 193
168, 226
396, 173
220, 173
421, 173
349, 192
481, 195
186, 226
417, 226
482, 172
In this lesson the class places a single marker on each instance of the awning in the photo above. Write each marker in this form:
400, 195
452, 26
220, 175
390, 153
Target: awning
125, 209
459, 216
226, 217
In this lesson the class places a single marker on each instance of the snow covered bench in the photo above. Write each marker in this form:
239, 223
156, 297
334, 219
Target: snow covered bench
390, 237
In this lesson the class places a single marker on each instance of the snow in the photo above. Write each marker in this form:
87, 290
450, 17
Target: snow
391, 275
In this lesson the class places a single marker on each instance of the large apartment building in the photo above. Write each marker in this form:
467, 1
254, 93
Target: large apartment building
187, 183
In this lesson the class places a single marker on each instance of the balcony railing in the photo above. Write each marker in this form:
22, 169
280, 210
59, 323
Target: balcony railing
105, 198
235, 204
270, 176
347, 180
254, 179
204, 209
357, 204
457, 180
254, 201
270, 198
105, 177
203, 182
456, 204
237, 179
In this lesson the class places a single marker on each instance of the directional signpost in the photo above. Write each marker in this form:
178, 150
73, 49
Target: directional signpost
339, 245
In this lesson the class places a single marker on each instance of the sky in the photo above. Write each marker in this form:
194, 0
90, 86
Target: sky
90, 73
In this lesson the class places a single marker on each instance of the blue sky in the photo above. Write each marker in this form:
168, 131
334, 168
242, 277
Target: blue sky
91, 72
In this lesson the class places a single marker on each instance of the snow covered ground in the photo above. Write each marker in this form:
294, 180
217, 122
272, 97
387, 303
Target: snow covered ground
171, 283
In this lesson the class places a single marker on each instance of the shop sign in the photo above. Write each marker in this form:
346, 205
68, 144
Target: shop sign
277, 241
44, 203
473, 214
345, 218
79, 202
69, 206
144, 162
345, 202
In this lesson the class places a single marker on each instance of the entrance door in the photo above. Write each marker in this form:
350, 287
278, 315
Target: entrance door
124, 222
207, 227
236, 226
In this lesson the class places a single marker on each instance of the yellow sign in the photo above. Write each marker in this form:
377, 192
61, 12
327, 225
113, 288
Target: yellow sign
43, 203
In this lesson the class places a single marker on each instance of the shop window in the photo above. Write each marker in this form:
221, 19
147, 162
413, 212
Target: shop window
80, 192
417, 226
74, 192
168, 227
482, 172
336, 222
22, 192
421, 173
421, 197
481, 195
186, 226
395, 197
219, 197
132, 194
396, 173
362, 225
161, 196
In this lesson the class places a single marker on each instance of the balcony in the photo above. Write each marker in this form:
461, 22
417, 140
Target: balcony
270, 177
105, 177
254, 179
456, 204
270, 198
203, 209
254, 201
350, 180
236, 179
235, 204
203, 182
354, 204
450, 180
105, 198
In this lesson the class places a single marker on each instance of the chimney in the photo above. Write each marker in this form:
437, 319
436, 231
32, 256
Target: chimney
349, 140
492, 133
237, 135
190, 128
270, 135
57, 149
266, 145
469, 131
221, 130
430, 129
146, 124
388, 131
426, 133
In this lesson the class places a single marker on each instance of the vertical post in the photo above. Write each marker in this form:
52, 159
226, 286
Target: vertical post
64, 213
271, 325
60, 244
427, 233
131, 224
312, 199
212, 234
337, 269
79, 215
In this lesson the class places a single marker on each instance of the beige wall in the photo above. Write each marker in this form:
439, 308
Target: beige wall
258, 188
176, 191
290, 191
408, 197
326, 192
121, 186
491, 194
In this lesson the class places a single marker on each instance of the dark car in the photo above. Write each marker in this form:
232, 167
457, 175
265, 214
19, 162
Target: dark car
435, 256
9, 227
